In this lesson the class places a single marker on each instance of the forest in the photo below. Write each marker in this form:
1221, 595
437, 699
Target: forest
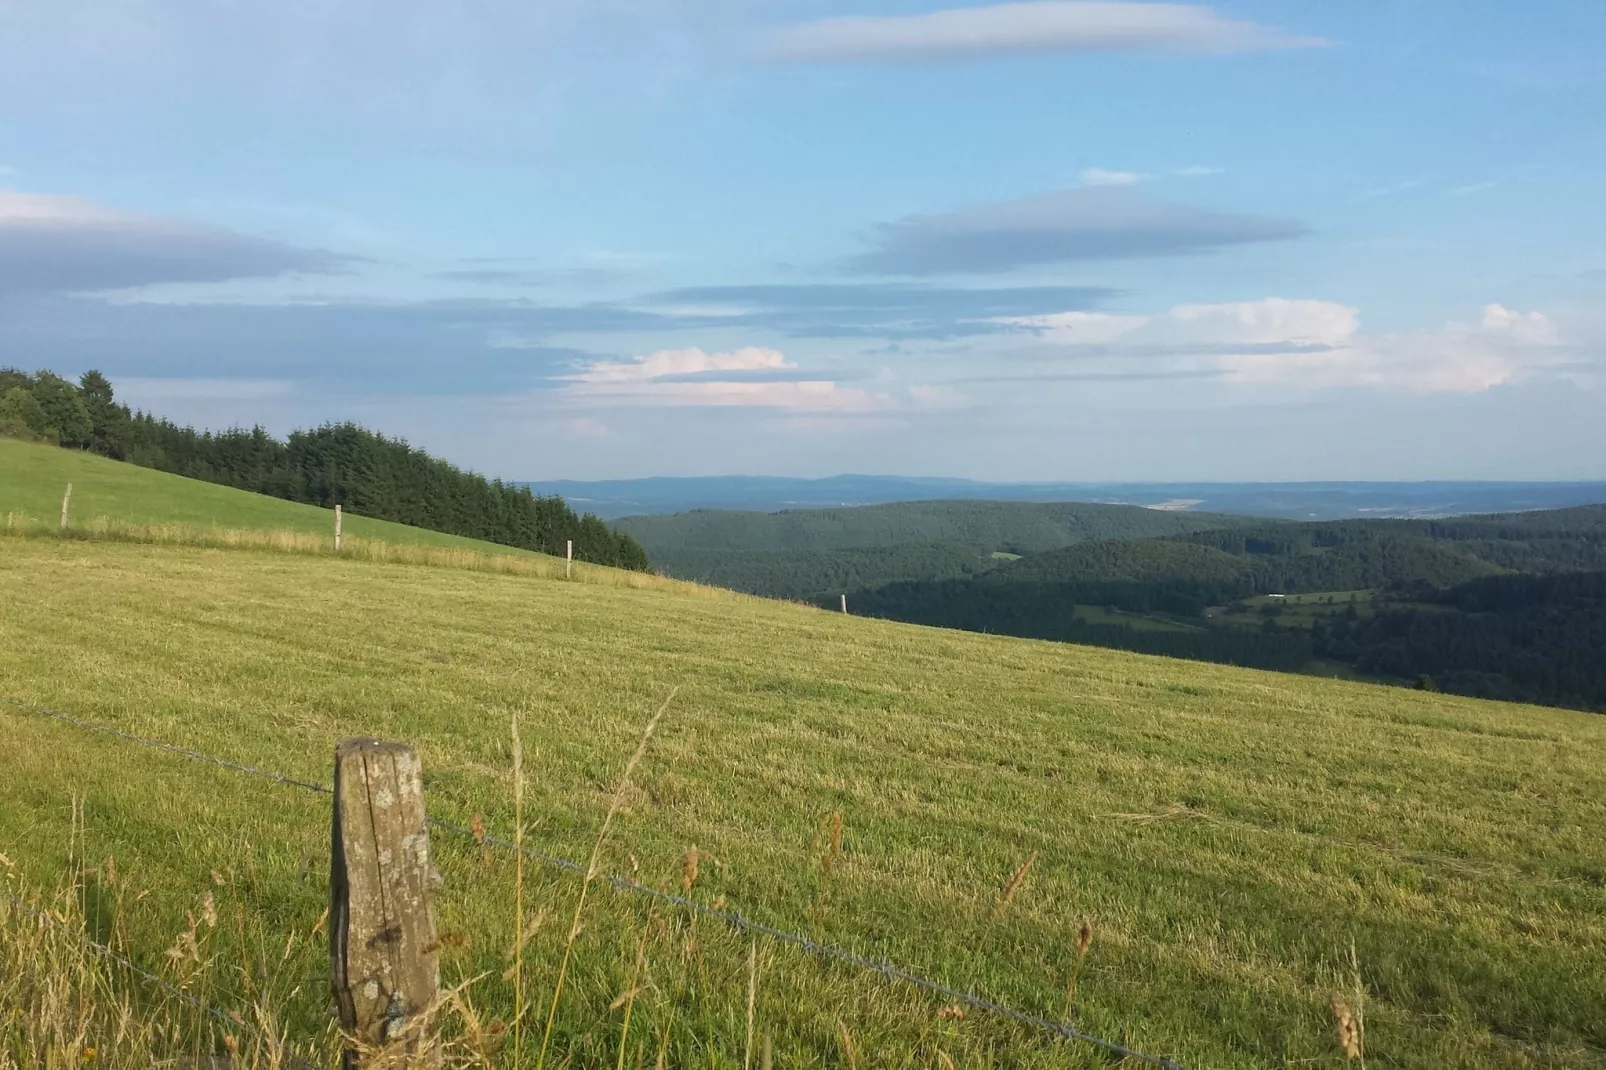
984, 526
1510, 606
365, 472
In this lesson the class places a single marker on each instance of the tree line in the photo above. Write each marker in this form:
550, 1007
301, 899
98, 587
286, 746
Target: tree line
361, 470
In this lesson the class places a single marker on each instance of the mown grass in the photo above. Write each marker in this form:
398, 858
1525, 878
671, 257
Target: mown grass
1228, 834
116, 502
34, 476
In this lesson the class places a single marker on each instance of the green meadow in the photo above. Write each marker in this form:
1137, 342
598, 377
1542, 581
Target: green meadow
34, 477
1241, 844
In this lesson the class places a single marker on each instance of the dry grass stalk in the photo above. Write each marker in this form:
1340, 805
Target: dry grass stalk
1084, 941
1011, 886
752, 1002
849, 1049
688, 868
629, 997
1349, 1028
518, 892
592, 872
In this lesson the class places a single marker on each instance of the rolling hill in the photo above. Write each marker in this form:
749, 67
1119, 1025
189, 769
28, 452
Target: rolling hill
34, 476
811, 554
1422, 575
613, 498
1232, 837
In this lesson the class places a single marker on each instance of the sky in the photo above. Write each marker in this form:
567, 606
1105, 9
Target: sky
1050, 240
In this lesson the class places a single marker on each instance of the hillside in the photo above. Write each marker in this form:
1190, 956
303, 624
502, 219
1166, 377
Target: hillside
824, 575
34, 476
1012, 527
1229, 834
611, 498
811, 554
335, 464
1420, 574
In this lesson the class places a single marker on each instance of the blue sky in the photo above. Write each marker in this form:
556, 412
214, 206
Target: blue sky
611, 238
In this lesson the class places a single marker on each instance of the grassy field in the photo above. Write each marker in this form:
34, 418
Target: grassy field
33, 478
1229, 835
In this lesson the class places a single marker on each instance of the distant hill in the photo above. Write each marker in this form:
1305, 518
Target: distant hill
1294, 501
810, 553
1523, 637
1011, 527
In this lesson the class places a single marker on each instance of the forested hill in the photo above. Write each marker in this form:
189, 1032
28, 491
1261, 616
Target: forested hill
1503, 606
364, 472
815, 554
1009, 527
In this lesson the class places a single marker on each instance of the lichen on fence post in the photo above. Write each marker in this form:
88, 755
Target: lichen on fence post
383, 953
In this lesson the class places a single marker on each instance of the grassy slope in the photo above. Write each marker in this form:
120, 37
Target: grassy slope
33, 478
1229, 833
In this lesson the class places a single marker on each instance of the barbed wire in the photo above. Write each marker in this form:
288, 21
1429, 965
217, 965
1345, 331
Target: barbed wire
103, 951
735, 919
250, 770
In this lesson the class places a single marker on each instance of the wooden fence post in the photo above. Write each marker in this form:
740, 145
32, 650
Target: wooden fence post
383, 955
844, 603
568, 562
337, 529
66, 500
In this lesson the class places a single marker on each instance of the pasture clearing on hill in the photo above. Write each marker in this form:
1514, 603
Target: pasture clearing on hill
117, 502
33, 477
1230, 835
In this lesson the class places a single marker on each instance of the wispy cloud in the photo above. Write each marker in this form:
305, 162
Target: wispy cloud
870, 309
1044, 26
1475, 187
1099, 176
1199, 171
1089, 223
753, 377
65, 244
1393, 188
1308, 344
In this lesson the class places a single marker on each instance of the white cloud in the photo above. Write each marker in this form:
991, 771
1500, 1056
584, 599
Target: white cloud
1273, 321
938, 397
1043, 26
691, 361
1475, 187
1199, 171
752, 377
1311, 344
1098, 176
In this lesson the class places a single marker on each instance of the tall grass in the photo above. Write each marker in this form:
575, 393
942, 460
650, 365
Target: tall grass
353, 548
71, 997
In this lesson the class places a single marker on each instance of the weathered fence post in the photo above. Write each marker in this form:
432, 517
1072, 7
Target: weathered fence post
337, 529
383, 954
66, 500
844, 603
568, 560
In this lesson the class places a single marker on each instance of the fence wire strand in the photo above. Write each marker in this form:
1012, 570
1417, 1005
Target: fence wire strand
734, 919
101, 950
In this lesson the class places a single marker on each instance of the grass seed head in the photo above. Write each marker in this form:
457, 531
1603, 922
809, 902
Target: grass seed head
1349, 1028
688, 868
1011, 886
